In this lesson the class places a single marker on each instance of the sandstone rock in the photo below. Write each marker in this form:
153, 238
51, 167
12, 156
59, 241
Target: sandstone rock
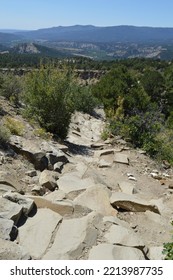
170, 185
69, 182
31, 173
97, 199
103, 163
7, 229
10, 210
126, 187
26, 203
72, 237
38, 190
11, 251
56, 195
59, 156
155, 253
121, 158
123, 236
36, 235
5, 188
156, 175
97, 145
115, 252
132, 203
58, 166
105, 152
31, 150
64, 208
48, 179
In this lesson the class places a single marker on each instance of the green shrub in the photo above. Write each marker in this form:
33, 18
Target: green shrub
46, 96
4, 135
41, 132
83, 100
14, 126
10, 87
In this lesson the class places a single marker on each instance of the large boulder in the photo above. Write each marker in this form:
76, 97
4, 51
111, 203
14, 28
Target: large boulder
73, 236
37, 233
26, 203
70, 182
123, 236
7, 229
64, 208
97, 199
48, 179
31, 150
132, 203
12, 251
10, 210
115, 252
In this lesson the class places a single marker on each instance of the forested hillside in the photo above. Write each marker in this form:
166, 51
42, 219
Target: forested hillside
137, 95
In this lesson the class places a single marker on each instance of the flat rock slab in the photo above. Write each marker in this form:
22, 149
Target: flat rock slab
64, 208
126, 187
104, 164
36, 235
11, 251
69, 182
155, 253
115, 252
10, 210
132, 203
26, 203
97, 198
72, 237
5, 188
121, 158
104, 152
6, 227
123, 236
48, 179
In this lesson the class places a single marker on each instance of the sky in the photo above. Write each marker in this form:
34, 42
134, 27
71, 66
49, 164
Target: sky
36, 14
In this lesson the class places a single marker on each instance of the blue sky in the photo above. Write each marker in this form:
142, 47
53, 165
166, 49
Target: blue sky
34, 14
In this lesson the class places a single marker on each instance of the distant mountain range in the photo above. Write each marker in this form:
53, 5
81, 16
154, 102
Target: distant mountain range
113, 42
90, 33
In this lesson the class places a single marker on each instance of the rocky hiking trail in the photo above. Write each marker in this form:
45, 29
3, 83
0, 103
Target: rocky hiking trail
83, 199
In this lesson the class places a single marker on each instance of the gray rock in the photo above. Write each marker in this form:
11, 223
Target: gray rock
155, 253
7, 229
72, 237
38, 190
37, 233
26, 203
96, 198
115, 252
105, 152
31, 150
48, 179
121, 158
31, 173
70, 182
126, 187
123, 236
103, 163
5, 188
64, 208
10, 210
132, 203
58, 166
11, 251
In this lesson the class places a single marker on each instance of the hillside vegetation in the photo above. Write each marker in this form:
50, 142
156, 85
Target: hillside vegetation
136, 95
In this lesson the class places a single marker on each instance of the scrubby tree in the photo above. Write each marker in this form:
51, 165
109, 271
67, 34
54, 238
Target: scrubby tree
46, 97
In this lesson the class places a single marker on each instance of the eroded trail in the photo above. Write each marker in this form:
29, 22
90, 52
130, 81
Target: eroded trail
89, 198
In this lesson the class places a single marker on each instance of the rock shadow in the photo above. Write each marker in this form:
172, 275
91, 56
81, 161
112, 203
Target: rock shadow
76, 149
